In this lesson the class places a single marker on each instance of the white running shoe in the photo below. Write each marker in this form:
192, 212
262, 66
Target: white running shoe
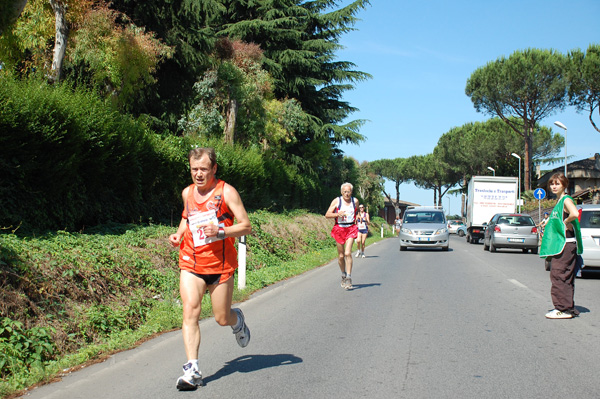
557, 314
191, 378
357, 253
242, 335
362, 254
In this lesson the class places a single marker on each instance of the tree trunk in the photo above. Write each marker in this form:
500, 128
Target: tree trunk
60, 43
529, 126
397, 204
592, 119
228, 133
463, 198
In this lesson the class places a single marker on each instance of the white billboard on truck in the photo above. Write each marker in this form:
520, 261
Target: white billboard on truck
488, 195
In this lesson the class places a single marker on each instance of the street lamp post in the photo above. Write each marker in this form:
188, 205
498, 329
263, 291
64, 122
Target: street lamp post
492, 169
562, 126
519, 188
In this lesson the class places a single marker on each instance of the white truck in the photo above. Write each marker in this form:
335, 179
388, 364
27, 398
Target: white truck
487, 196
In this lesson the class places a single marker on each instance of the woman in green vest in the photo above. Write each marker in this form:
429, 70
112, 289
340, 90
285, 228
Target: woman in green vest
562, 244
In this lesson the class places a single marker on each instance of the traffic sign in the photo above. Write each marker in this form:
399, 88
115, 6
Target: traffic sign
539, 193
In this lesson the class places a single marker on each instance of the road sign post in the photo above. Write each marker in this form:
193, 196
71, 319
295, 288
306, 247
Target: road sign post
539, 194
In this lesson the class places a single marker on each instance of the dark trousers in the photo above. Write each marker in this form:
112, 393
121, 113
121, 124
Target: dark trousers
562, 277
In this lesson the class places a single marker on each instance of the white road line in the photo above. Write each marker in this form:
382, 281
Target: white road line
518, 284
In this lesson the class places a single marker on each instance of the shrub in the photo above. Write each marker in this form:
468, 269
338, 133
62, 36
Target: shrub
70, 160
22, 348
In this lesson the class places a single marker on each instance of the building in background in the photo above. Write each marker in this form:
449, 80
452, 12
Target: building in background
389, 210
584, 179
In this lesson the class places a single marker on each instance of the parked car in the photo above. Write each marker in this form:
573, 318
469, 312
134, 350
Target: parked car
511, 230
589, 220
461, 231
453, 225
424, 227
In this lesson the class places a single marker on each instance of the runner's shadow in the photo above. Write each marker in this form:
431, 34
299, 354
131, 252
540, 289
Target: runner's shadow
359, 286
250, 363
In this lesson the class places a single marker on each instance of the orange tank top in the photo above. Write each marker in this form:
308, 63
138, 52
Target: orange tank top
217, 257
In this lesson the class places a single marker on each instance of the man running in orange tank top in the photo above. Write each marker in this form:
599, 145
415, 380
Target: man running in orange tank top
207, 256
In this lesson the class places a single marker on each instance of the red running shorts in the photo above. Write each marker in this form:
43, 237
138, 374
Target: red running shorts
341, 234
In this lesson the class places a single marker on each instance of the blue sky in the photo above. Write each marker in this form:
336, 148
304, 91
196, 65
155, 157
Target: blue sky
421, 53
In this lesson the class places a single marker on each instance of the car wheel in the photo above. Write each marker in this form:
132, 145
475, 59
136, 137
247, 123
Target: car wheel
524, 250
446, 248
492, 247
461, 233
485, 247
534, 250
402, 248
468, 238
547, 264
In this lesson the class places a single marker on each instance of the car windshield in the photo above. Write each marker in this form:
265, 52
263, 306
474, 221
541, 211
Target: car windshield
590, 219
424, 217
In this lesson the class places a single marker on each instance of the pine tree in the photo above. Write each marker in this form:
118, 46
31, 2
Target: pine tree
187, 26
300, 40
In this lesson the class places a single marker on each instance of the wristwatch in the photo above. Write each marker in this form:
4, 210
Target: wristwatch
221, 233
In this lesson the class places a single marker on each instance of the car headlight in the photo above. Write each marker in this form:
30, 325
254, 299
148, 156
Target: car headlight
406, 231
441, 231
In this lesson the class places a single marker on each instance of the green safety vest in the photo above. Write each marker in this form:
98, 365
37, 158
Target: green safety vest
554, 233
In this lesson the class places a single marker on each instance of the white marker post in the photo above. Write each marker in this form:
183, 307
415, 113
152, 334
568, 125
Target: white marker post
242, 263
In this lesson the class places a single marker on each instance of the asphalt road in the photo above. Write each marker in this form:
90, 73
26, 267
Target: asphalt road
419, 324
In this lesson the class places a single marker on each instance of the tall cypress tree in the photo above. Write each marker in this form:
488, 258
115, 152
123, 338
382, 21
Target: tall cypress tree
187, 25
299, 40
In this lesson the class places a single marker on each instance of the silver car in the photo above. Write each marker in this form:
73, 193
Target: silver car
589, 220
453, 226
424, 227
511, 230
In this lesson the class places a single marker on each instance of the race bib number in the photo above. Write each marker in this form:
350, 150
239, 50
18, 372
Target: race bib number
347, 218
362, 226
196, 221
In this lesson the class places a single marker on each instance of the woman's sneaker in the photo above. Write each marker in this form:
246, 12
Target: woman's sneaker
242, 334
557, 314
358, 253
191, 378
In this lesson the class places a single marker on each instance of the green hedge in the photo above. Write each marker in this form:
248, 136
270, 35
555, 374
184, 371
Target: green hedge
70, 161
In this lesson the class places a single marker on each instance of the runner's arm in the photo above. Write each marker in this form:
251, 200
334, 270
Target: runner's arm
331, 213
175, 239
234, 202
573, 213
